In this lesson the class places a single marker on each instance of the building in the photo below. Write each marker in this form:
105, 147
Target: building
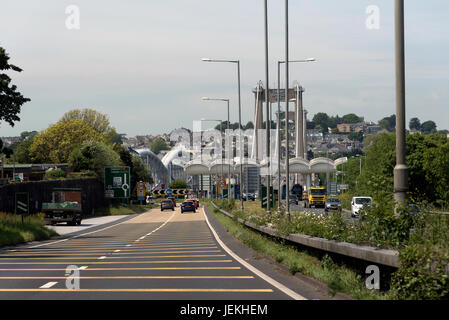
28, 172
350, 127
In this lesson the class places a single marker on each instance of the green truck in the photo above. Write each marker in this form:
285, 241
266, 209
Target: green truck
65, 206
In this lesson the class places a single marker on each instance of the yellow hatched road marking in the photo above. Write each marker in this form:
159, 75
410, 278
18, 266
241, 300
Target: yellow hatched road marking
129, 269
102, 251
137, 290
115, 257
134, 277
123, 262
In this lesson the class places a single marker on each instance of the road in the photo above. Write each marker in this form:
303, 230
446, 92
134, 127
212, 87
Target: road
156, 255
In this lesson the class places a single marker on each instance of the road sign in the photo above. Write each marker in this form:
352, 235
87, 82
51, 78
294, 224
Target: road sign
141, 190
22, 206
117, 179
264, 197
174, 192
169, 192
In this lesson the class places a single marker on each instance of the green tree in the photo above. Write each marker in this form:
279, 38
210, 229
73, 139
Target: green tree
11, 100
159, 145
98, 121
351, 118
22, 151
139, 171
57, 142
321, 119
178, 184
93, 156
415, 124
429, 127
388, 123
356, 136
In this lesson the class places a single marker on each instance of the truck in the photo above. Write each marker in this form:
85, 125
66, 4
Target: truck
316, 197
65, 206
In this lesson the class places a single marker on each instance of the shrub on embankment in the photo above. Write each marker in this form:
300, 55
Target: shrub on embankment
13, 231
422, 239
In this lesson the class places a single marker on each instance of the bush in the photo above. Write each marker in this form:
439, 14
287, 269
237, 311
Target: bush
13, 231
54, 174
424, 263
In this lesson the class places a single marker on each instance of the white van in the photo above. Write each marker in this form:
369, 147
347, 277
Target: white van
357, 203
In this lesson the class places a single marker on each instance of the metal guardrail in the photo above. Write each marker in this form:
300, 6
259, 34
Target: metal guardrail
371, 254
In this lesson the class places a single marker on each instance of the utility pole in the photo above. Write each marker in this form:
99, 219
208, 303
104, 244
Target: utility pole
287, 164
267, 109
401, 169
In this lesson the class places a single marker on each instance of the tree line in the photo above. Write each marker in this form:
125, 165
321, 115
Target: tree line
427, 157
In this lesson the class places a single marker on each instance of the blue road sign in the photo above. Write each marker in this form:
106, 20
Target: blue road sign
169, 192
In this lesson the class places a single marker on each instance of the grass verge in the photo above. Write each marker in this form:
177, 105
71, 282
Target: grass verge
337, 278
13, 231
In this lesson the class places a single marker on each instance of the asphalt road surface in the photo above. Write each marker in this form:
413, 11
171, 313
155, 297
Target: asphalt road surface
156, 255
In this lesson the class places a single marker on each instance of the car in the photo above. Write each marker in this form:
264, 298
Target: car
251, 197
167, 204
357, 203
172, 199
195, 202
366, 210
293, 199
188, 206
332, 203
150, 200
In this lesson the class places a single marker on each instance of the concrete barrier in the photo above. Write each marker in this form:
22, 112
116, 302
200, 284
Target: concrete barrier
373, 255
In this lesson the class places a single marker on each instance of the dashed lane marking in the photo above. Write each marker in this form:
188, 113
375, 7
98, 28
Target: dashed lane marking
48, 285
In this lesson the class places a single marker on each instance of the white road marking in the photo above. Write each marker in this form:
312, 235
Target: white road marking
82, 268
102, 257
262, 275
48, 285
117, 251
128, 245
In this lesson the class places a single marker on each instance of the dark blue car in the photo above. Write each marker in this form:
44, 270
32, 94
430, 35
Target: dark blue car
188, 206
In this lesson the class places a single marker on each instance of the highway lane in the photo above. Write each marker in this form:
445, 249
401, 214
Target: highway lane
157, 255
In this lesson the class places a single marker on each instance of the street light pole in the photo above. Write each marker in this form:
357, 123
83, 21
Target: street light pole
287, 164
240, 123
279, 138
229, 166
267, 109
221, 126
401, 169
279, 124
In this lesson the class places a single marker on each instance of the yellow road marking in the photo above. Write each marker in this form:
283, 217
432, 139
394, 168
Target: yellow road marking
134, 277
115, 257
135, 269
138, 290
122, 251
96, 254
124, 262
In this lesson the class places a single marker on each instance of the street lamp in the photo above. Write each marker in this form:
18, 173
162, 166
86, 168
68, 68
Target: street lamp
221, 125
400, 170
279, 123
229, 167
240, 121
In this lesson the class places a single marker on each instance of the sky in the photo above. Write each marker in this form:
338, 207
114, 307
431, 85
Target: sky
140, 61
